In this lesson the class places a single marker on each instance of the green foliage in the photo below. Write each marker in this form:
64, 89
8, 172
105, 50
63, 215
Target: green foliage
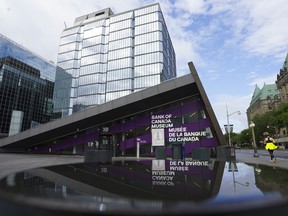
261, 122
245, 136
270, 122
281, 116
234, 137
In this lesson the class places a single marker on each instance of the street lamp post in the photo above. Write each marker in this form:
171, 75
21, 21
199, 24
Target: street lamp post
233, 167
228, 124
252, 125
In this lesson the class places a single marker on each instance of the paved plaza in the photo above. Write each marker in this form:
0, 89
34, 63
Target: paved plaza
265, 160
14, 162
10, 162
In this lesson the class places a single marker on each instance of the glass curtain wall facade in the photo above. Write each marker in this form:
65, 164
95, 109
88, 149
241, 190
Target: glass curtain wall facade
109, 56
17, 51
23, 90
26, 86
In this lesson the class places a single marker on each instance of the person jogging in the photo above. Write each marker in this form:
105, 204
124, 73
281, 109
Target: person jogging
270, 146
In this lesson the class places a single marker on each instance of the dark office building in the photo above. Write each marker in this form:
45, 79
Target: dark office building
25, 98
17, 51
26, 88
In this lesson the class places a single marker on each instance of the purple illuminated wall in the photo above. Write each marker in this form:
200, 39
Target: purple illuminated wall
194, 122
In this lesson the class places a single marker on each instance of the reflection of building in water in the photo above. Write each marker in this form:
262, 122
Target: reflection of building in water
134, 187
130, 182
271, 178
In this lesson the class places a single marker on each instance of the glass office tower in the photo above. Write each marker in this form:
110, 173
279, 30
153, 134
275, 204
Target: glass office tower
112, 55
26, 88
10, 48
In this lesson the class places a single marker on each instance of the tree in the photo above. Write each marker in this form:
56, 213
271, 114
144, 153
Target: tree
261, 122
274, 119
234, 137
280, 117
245, 138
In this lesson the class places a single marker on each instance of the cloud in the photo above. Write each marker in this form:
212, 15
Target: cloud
262, 27
257, 27
259, 81
184, 40
193, 7
231, 43
38, 26
234, 103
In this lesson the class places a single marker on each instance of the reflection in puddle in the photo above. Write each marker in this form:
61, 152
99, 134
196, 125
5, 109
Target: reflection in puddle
148, 185
240, 180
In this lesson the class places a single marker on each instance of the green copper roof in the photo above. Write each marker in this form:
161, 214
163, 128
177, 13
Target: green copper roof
268, 90
285, 65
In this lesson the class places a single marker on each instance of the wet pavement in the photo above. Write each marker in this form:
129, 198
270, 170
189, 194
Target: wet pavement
60, 184
11, 162
265, 160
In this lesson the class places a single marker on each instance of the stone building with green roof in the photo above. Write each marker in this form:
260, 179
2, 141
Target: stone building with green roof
282, 81
263, 100
270, 98
282, 85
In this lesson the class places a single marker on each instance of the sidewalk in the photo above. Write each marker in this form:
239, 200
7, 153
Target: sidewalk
10, 162
13, 162
265, 160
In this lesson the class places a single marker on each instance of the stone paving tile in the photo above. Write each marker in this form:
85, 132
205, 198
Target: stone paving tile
10, 163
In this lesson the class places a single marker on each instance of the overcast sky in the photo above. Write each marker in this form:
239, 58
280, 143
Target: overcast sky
234, 45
